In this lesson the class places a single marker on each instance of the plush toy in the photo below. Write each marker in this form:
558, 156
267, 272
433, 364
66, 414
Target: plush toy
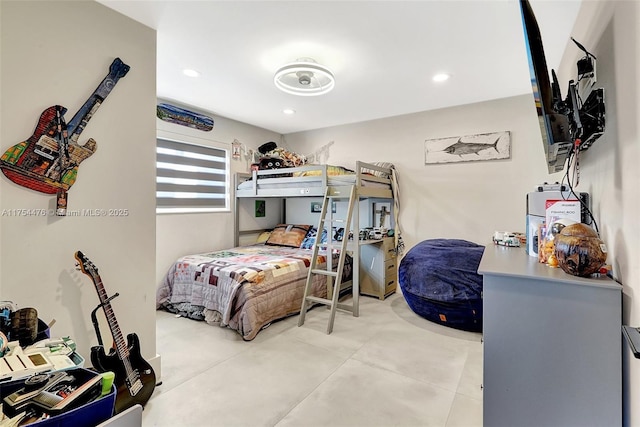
267, 146
270, 163
274, 157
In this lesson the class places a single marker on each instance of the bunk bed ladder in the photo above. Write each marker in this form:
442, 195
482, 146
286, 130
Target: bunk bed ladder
334, 277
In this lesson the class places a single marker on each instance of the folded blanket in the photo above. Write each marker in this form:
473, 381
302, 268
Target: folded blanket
331, 171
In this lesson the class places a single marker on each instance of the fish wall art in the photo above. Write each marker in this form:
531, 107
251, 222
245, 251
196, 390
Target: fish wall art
484, 146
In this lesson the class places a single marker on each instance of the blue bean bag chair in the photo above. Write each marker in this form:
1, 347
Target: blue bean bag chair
439, 280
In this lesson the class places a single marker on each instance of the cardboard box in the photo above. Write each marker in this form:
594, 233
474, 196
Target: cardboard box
536, 213
560, 209
562, 212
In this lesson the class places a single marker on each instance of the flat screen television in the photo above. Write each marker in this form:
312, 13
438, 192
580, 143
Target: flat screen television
554, 126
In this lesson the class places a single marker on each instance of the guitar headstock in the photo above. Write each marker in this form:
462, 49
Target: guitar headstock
85, 265
118, 68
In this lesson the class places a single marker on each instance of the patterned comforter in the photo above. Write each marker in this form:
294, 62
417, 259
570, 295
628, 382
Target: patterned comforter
244, 288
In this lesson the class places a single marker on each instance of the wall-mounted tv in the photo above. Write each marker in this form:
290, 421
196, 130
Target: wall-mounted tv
570, 124
554, 126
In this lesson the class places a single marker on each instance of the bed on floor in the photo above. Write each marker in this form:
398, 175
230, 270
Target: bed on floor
247, 287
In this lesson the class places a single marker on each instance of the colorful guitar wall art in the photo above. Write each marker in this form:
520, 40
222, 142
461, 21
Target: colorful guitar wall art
48, 161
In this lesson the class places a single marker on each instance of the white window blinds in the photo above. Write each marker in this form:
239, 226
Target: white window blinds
190, 178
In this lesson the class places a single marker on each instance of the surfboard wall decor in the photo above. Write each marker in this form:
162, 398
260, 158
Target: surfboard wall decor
180, 116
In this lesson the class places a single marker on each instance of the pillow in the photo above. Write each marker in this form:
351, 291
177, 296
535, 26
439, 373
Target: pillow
331, 171
263, 237
288, 235
308, 241
377, 173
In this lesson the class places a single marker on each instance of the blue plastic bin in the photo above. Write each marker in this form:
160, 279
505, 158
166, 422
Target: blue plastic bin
87, 415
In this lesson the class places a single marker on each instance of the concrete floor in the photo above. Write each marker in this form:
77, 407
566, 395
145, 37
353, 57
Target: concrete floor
388, 367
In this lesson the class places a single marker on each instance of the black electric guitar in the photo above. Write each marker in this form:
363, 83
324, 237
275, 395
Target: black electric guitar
134, 377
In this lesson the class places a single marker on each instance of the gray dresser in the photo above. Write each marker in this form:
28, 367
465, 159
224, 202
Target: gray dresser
552, 344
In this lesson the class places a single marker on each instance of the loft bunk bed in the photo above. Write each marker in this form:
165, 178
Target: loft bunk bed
245, 288
367, 181
370, 181
312, 180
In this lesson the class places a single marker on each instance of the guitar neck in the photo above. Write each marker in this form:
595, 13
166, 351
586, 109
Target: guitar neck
77, 124
82, 117
121, 345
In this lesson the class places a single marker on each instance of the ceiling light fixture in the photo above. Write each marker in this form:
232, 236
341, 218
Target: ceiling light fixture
289, 111
305, 77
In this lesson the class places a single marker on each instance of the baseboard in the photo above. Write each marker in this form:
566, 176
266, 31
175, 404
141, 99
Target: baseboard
157, 367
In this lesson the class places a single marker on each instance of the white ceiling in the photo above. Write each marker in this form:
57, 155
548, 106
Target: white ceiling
382, 53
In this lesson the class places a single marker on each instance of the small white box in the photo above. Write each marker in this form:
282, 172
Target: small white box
560, 209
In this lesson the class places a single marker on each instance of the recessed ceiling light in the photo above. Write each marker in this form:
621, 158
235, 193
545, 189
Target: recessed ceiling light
190, 73
288, 111
441, 77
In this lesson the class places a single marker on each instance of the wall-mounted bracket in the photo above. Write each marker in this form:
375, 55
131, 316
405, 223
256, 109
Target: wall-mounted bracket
633, 338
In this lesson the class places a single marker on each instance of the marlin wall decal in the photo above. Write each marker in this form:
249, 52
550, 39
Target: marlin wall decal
461, 148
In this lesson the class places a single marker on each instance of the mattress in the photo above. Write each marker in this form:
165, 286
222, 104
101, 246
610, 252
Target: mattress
286, 183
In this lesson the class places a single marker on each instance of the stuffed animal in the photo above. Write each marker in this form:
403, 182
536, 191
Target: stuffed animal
267, 146
270, 163
275, 157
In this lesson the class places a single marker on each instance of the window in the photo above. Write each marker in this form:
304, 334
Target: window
191, 178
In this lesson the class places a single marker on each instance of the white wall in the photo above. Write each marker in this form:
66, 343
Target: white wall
467, 200
56, 52
206, 231
610, 168
299, 211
